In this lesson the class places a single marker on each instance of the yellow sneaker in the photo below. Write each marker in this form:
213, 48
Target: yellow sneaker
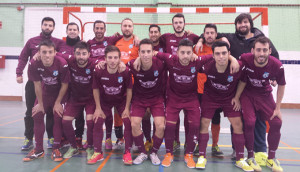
243, 165
167, 160
201, 163
252, 163
188, 159
274, 165
261, 158
148, 145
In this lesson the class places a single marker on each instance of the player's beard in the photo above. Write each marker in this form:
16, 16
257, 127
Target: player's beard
47, 33
127, 35
209, 41
243, 32
264, 61
182, 30
81, 62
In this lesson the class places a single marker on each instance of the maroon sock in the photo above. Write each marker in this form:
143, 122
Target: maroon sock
186, 127
127, 134
169, 137
108, 125
139, 142
98, 135
69, 132
274, 136
57, 131
249, 137
154, 129
192, 138
156, 143
146, 126
89, 132
39, 130
239, 143
203, 139
177, 131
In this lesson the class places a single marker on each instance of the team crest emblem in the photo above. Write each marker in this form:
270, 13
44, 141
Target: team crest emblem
87, 71
156, 73
193, 69
230, 78
55, 73
131, 46
120, 79
266, 74
105, 43
161, 50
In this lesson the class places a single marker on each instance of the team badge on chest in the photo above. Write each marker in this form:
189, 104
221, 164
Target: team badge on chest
230, 78
105, 43
266, 75
193, 69
55, 73
156, 73
120, 79
131, 46
87, 71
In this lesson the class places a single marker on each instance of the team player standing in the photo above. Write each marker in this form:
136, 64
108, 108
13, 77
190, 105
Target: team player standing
231, 86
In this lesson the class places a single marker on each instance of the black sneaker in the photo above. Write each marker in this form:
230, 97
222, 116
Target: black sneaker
217, 152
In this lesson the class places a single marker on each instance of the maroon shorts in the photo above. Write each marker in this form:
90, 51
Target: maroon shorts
263, 105
107, 108
191, 106
74, 109
209, 106
156, 105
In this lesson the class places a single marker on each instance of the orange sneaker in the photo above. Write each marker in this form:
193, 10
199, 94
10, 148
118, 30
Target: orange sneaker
32, 155
188, 159
167, 160
97, 156
127, 159
56, 155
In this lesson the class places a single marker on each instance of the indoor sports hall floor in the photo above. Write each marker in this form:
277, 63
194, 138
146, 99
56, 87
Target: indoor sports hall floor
11, 139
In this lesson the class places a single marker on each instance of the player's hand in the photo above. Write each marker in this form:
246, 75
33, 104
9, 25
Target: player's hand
98, 114
273, 82
234, 66
194, 57
126, 113
137, 64
116, 34
277, 113
58, 108
155, 53
136, 41
236, 104
101, 65
188, 32
37, 57
199, 46
37, 108
122, 67
225, 40
19, 79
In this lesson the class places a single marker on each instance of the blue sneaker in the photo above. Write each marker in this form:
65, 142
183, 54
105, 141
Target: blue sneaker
50, 143
28, 144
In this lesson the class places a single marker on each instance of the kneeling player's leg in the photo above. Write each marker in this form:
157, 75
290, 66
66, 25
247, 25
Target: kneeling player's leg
69, 130
193, 115
159, 120
146, 125
39, 130
137, 134
238, 136
90, 109
274, 136
215, 127
118, 124
204, 136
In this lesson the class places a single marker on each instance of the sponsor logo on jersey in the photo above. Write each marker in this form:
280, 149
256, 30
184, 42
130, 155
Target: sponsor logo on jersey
104, 78
41, 69
105, 43
161, 50
249, 69
193, 69
120, 79
36, 46
131, 46
66, 65
93, 45
230, 78
172, 40
211, 76
55, 73
140, 75
87, 71
266, 74
156, 73
63, 52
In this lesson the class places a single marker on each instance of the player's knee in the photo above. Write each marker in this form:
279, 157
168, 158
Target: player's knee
160, 127
275, 124
135, 124
249, 124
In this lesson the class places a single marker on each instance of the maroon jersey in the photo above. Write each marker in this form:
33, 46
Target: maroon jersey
183, 79
170, 41
97, 47
257, 78
112, 87
148, 84
81, 79
220, 87
51, 77
31, 48
159, 48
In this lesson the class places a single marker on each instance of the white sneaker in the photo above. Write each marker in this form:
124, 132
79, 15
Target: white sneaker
233, 155
119, 145
140, 159
154, 159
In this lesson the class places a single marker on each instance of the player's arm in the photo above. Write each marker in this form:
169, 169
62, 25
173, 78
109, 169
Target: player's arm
22, 61
234, 65
39, 107
236, 99
126, 111
280, 93
98, 111
57, 105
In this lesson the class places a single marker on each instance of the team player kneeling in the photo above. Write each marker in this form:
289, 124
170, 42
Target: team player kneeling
231, 85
